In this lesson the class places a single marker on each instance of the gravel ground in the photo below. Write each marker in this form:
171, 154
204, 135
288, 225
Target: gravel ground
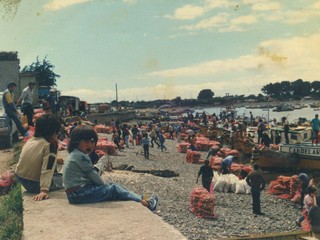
234, 211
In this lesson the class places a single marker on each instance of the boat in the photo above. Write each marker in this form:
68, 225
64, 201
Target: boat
314, 105
300, 153
228, 110
283, 107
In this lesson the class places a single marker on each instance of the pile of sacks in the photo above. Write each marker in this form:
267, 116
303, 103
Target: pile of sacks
106, 146
230, 183
100, 128
202, 203
193, 156
183, 147
286, 188
215, 164
183, 136
227, 151
204, 144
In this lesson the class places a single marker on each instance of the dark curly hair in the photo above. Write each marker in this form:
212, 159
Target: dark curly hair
46, 125
81, 132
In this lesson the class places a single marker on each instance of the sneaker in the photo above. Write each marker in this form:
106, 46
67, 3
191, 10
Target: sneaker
153, 202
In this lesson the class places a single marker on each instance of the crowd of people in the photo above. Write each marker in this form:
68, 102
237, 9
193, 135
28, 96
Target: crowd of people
37, 172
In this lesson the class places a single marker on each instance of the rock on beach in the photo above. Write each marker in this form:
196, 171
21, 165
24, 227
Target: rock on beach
234, 211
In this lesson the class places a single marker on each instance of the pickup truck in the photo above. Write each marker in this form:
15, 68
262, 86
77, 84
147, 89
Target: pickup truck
8, 129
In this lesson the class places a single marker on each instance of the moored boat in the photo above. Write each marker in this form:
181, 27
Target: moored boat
300, 153
291, 156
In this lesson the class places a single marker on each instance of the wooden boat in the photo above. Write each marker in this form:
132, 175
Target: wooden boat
300, 153
291, 156
283, 108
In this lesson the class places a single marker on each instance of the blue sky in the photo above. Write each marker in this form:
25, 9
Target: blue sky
155, 49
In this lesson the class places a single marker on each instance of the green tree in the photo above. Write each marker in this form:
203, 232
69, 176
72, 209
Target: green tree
301, 88
205, 94
44, 71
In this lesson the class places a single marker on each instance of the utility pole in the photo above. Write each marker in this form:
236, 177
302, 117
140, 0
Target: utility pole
116, 93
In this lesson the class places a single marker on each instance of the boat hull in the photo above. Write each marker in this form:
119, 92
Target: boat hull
291, 160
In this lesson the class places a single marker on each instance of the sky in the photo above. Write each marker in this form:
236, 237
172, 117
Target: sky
162, 49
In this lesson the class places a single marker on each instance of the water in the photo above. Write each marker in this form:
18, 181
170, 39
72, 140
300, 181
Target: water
307, 113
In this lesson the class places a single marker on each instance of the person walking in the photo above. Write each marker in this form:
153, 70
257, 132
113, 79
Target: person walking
153, 137
26, 99
10, 107
178, 130
135, 132
162, 140
315, 124
207, 174
145, 144
257, 183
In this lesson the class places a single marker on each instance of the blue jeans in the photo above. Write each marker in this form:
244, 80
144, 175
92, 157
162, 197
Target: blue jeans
12, 115
162, 146
315, 136
108, 192
34, 186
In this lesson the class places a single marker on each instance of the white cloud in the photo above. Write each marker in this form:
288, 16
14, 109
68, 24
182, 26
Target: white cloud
212, 4
268, 6
187, 12
273, 61
248, 19
212, 22
55, 5
130, 2
293, 17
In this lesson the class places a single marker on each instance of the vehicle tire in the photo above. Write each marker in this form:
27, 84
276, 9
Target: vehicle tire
15, 137
6, 142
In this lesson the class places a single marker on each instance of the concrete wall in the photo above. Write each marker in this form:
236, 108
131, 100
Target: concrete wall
105, 118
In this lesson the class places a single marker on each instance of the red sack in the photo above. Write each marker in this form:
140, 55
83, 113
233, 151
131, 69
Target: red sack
202, 203
7, 181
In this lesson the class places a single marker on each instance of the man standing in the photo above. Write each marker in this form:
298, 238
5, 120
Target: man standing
257, 183
26, 99
251, 119
285, 124
10, 107
207, 175
315, 123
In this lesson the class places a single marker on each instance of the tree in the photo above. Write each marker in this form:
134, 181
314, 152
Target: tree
44, 71
301, 88
205, 94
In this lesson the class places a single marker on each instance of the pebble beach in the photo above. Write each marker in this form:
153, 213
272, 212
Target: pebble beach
233, 213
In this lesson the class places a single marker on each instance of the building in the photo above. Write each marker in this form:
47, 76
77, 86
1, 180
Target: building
9, 70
